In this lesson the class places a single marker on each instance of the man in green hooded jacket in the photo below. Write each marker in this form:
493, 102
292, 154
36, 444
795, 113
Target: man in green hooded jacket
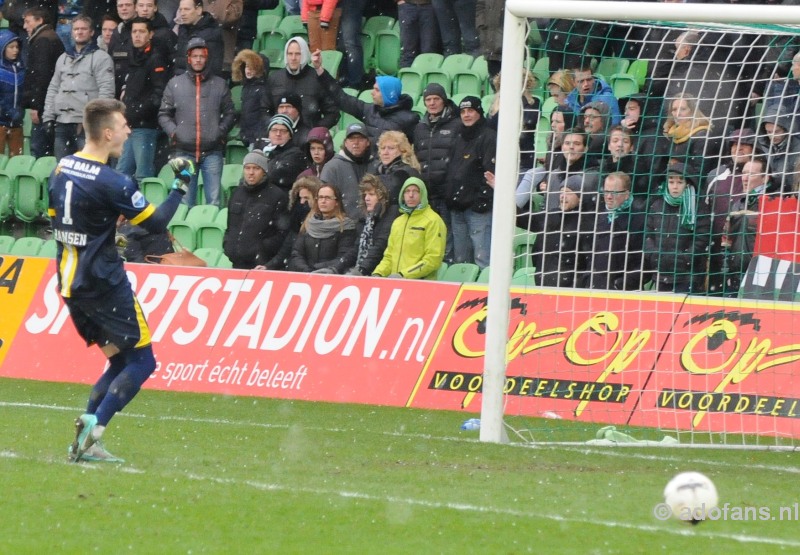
417, 239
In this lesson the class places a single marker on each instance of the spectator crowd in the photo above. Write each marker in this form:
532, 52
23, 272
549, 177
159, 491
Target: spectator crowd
658, 187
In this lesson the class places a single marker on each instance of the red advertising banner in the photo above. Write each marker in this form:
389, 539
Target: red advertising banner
727, 368
581, 355
274, 334
649, 360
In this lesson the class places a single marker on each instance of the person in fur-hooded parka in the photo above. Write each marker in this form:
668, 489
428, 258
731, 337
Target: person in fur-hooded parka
250, 69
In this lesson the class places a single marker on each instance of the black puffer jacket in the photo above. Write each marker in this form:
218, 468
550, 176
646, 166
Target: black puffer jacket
337, 252
177, 115
286, 162
144, 87
433, 141
377, 119
319, 108
473, 154
258, 221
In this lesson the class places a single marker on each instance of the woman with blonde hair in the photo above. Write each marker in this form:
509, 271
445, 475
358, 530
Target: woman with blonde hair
560, 84
396, 162
327, 240
687, 138
530, 119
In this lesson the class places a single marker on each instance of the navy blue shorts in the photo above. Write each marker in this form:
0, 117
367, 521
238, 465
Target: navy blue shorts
115, 318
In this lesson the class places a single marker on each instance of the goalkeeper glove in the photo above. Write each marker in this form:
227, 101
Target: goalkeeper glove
183, 170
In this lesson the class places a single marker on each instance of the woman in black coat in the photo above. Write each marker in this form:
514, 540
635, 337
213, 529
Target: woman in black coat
327, 241
374, 233
250, 69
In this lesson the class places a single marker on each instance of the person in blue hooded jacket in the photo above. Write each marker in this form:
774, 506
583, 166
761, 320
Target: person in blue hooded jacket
589, 88
390, 109
12, 74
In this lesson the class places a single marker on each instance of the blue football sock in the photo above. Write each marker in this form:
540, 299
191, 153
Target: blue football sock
139, 365
116, 364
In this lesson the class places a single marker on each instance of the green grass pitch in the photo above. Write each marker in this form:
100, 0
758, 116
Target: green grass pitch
213, 474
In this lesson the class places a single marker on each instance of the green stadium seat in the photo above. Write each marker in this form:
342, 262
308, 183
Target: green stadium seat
27, 246
351, 91
369, 36
209, 255
346, 119
415, 77
624, 85
524, 277
523, 243
338, 139
30, 189
483, 277
472, 81
235, 151
378, 23
366, 96
387, 51
638, 69
609, 66
441, 271
185, 231
486, 102
4, 157
236, 96
279, 10
461, 272
49, 249
231, 176
6, 242
266, 21
180, 214
292, 26
457, 62
548, 106
224, 261
540, 137
8, 180
272, 45
154, 190
331, 60
210, 234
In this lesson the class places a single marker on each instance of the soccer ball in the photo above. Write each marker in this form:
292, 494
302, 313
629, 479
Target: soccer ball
690, 496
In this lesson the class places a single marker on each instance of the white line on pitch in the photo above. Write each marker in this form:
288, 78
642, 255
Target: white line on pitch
467, 507
609, 452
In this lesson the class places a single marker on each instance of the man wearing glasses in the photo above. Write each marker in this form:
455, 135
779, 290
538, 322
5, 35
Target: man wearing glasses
615, 247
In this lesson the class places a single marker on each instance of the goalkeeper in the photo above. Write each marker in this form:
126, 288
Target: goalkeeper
86, 198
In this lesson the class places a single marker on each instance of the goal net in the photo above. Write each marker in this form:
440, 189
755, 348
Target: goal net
654, 225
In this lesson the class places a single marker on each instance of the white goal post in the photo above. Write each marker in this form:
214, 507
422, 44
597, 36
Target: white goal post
517, 13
